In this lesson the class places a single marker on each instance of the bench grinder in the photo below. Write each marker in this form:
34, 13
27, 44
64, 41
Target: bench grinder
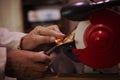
97, 37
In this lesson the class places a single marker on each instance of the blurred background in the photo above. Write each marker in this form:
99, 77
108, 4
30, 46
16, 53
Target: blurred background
24, 15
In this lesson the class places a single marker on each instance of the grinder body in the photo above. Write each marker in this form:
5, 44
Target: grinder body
97, 37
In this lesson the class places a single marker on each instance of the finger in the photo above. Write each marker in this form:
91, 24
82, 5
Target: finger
32, 72
38, 67
53, 55
36, 75
48, 32
54, 27
43, 39
41, 57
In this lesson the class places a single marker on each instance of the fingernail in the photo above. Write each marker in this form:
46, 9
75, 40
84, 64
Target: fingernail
41, 52
52, 38
61, 33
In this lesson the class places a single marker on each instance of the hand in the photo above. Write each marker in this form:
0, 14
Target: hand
26, 64
40, 35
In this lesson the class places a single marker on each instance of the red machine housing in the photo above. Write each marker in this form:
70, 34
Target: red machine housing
102, 41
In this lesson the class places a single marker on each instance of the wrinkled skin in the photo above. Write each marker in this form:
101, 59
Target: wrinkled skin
29, 65
26, 64
40, 35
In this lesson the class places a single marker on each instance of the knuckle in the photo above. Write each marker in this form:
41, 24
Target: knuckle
44, 58
56, 26
37, 27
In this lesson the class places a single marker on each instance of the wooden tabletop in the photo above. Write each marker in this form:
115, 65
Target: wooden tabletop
81, 77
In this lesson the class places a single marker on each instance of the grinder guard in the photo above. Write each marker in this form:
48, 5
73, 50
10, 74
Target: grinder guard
101, 39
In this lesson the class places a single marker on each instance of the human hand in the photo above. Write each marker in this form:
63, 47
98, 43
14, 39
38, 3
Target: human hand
26, 64
40, 35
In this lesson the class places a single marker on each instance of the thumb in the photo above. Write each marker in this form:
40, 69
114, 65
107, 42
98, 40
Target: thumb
41, 57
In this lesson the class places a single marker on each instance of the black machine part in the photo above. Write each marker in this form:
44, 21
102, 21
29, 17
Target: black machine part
67, 50
80, 11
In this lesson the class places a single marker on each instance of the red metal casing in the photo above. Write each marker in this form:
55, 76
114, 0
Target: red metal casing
102, 40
